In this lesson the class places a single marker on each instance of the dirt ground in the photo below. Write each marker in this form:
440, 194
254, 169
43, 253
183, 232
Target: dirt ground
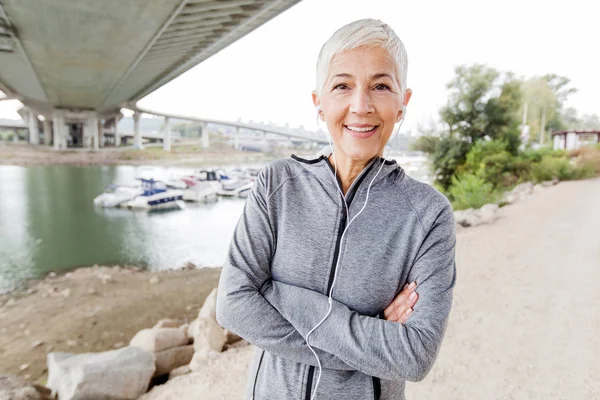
93, 309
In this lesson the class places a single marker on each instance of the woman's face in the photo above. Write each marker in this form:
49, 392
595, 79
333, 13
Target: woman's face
361, 102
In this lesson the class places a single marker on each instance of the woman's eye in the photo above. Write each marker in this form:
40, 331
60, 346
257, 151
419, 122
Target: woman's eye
341, 86
382, 86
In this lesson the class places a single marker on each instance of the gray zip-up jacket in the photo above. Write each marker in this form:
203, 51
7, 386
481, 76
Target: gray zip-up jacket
275, 282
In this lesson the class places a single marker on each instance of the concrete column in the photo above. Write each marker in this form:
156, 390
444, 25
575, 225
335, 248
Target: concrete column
205, 142
34, 128
58, 125
167, 137
16, 135
100, 133
90, 130
47, 132
117, 137
137, 139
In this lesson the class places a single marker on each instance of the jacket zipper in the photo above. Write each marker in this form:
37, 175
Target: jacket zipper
309, 380
376, 388
256, 377
311, 370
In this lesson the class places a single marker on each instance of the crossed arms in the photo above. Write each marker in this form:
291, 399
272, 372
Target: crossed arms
276, 316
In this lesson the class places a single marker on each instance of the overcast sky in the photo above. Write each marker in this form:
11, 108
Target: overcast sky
269, 74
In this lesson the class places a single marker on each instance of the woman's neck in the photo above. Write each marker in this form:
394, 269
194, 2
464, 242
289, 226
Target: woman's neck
347, 169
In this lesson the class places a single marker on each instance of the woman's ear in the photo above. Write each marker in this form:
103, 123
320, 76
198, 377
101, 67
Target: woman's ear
317, 103
407, 96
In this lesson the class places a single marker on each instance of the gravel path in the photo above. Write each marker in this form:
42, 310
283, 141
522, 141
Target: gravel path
526, 317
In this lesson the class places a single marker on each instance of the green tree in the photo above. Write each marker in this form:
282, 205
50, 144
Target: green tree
482, 103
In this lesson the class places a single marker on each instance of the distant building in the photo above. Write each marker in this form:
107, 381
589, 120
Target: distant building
570, 140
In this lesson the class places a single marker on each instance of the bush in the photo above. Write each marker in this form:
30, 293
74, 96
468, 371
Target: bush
470, 191
450, 154
551, 167
491, 161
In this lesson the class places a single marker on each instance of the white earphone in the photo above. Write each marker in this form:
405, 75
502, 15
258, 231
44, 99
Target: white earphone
399, 120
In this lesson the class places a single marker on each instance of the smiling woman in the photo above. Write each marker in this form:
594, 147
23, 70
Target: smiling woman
361, 101
325, 263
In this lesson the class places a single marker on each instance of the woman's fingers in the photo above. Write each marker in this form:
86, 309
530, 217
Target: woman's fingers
401, 308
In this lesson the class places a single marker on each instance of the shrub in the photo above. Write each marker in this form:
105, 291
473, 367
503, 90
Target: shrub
551, 167
491, 161
470, 191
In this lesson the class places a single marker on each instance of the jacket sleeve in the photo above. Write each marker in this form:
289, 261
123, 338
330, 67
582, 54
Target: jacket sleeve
385, 349
241, 308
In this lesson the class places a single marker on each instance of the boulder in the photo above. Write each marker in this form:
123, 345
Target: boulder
167, 323
209, 308
487, 213
231, 338
185, 369
155, 340
510, 198
547, 183
526, 188
467, 217
221, 378
191, 329
116, 374
208, 335
14, 387
168, 360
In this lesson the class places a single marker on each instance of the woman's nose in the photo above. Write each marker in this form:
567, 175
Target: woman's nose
361, 102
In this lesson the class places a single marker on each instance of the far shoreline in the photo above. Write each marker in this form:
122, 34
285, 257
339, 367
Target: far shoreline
182, 155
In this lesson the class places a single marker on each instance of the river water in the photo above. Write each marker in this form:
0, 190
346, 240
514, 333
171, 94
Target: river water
48, 222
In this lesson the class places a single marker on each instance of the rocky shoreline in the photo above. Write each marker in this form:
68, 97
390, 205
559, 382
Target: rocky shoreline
93, 309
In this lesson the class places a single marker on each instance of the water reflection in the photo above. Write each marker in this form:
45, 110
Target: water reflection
48, 222
17, 245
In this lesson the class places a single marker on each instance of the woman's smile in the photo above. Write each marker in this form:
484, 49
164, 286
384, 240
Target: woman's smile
361, 131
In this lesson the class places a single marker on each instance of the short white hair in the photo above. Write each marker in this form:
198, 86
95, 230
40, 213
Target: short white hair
363, 33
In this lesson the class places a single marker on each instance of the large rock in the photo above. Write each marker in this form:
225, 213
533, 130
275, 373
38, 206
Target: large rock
510, 198
14, 387
209, 336
525, 188
209, 308
224, 377
168, 360
167, 323
118, 374
467, 217
155, 340
183, 370
487, 213
231, 337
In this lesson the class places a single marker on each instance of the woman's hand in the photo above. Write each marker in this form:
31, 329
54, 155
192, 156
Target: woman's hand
401, 308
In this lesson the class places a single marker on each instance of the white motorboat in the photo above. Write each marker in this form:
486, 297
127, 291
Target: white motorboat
156, 196
239, 187
115, 195
203, 187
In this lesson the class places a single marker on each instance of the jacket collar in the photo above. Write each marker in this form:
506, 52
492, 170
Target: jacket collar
320, 166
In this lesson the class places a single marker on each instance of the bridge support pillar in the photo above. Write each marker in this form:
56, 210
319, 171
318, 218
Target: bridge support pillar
117, 136
34, 128
90, 131
47, 132
167, 137
59, 130
137, 135
100, 135
205, 140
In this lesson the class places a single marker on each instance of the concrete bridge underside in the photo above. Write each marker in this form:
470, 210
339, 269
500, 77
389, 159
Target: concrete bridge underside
76, 63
